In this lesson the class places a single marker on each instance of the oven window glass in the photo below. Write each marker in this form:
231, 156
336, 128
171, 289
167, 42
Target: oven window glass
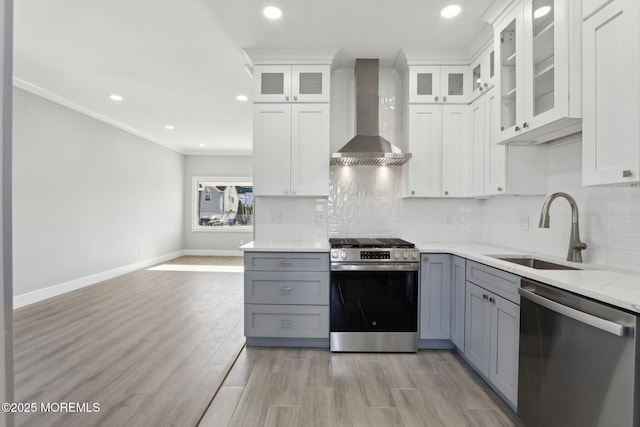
374, 301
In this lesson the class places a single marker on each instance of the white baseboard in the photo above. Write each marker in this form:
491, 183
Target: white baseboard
52, 291
211, 252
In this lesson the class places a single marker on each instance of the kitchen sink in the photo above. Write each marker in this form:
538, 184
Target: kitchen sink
534, 263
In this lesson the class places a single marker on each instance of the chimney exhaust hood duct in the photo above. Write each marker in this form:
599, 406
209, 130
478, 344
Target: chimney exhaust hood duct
368, 147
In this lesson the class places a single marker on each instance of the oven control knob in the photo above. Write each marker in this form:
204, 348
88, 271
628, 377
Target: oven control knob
405, 255
397, 254
334, 254
343, 255
414, 255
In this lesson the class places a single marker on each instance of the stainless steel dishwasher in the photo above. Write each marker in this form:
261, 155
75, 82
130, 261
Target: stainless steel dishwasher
578, 362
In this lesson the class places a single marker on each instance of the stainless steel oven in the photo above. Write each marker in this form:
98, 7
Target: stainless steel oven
374, 295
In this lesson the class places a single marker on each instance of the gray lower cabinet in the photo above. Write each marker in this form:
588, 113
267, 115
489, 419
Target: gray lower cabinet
435, 296
286, 321
286, 295
458, 296
492, 327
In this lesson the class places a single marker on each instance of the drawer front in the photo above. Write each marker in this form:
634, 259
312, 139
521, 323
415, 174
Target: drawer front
286, 321
497, 281
267, 287
286, 261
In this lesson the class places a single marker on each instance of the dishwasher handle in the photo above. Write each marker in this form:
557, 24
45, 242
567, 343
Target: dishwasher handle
586, 318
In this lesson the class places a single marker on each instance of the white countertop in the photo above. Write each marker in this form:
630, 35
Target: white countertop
277, 246
616, 287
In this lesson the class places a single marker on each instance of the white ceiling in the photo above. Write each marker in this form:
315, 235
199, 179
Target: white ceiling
181, 62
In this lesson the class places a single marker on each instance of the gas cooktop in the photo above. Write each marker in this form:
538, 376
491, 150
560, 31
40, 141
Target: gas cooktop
343, 243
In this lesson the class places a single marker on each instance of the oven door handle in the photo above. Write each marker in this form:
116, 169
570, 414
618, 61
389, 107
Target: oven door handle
397, 266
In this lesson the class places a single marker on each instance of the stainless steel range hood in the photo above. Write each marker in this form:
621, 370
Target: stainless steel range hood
368, 147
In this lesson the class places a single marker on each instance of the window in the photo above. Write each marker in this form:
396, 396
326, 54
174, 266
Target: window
222, 204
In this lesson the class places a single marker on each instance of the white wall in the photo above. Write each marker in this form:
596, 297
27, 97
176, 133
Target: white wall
6, 293
210, 242
88, 197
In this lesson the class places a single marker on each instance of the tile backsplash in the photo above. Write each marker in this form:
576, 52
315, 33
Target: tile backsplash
609, 216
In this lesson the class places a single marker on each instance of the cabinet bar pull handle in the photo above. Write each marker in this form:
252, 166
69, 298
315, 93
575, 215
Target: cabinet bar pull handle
295, 98
492, 299
517, 128
286, 98
285, 263
436, 99
626, 174
286, 323
499, 188
525, 125
426, 258
286, 289
446, 193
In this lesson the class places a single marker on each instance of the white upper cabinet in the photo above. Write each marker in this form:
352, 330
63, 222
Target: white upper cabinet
537, 45
423, 137
456, 143
291, 149
611, 94
483, 72
496, 169
439, 84
291, 83
508, 45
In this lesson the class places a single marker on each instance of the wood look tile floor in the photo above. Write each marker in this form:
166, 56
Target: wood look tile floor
151, 347
313, 387
157, 347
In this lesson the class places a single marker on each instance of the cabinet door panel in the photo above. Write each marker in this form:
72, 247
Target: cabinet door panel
310, 150
455, 84
611, 90
510, 61
477, 324
477, 148
505, 332
458, 295
424, 84
495, 154
273, 83
271, 148
310, 83
425, 143
455, 150
435, 296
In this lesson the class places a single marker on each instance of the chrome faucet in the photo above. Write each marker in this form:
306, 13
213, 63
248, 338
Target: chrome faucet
575, 245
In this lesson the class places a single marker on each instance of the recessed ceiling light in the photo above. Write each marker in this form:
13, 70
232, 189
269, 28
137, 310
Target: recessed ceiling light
272, 12
539, 13
450, 11
169, 127
242, 98
115, 97
202, 145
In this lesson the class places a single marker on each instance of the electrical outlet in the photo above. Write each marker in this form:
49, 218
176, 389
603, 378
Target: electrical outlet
524, 223
274, 217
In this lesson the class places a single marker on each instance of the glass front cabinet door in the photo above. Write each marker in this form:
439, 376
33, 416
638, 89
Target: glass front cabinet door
508, 45
291, 83
439, 84
538, 47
